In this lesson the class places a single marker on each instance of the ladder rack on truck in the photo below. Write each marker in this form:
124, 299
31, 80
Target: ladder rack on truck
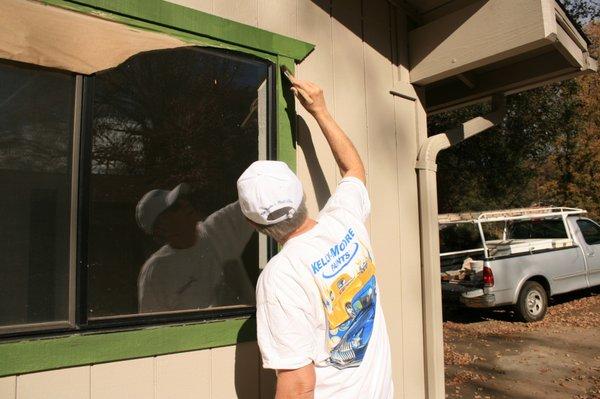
506, 215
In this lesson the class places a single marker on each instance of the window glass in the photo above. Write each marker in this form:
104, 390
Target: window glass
36, 117
590, 231
537, 228
455, 237
459, 237
493, 230
172, 130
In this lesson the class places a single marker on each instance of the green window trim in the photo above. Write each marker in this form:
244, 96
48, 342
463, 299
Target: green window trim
198, 28
102, 347
286, 117
162, 16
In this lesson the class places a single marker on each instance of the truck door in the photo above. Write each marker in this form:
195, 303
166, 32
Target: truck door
590, 232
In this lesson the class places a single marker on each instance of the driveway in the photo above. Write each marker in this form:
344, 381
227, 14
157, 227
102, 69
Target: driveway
488, 354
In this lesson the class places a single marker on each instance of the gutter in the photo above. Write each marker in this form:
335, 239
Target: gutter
429, 236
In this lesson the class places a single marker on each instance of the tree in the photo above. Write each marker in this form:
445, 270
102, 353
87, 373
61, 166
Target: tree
583, 11
545, 152
572, 173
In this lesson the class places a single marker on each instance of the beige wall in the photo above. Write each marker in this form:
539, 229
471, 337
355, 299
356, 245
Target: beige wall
360, 56
220, 373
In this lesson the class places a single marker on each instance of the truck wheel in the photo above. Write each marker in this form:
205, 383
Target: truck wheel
533, 302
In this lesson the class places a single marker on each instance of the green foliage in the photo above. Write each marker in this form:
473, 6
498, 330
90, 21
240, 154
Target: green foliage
496, 168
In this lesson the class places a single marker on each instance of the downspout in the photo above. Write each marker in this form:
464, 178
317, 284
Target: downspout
430, 249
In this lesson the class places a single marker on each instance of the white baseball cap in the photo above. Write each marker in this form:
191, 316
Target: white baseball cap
155, 202
266, 187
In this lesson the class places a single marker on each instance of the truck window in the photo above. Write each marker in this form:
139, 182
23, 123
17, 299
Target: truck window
538, 228
590, 231
459, 237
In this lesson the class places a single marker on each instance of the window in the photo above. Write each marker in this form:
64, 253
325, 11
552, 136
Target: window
186, 118
459, 237
537, 228
36, 126
165, 135
590, 231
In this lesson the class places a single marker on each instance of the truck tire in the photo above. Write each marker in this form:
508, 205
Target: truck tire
533, 302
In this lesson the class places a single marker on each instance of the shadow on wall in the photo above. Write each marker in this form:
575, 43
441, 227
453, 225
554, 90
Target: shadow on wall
317, 177
251, 380
364, 20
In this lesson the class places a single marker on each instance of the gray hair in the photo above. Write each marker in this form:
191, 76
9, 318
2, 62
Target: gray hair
279, 231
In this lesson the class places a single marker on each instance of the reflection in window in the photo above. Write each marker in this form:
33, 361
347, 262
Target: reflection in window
36, 115
172, 131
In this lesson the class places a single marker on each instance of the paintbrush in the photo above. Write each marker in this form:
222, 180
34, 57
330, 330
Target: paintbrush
299, 92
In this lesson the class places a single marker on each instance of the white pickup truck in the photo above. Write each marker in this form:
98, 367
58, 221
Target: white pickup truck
518, 257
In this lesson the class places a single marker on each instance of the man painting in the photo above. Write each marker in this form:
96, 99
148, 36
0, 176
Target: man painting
319, 318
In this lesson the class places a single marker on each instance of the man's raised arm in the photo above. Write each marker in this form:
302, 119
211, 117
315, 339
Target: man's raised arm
344, 152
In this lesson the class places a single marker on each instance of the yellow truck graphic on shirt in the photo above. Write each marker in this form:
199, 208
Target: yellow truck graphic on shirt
342, 303
345, 274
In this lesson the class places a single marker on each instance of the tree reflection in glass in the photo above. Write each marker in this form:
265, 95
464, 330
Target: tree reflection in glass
36, 127
161, 119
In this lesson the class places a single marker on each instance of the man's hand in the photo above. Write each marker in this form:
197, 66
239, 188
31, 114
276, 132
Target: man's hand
296, 384
305, 91
345, 154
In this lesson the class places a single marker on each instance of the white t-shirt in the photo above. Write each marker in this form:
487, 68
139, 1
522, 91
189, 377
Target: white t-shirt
208, 274
318, 302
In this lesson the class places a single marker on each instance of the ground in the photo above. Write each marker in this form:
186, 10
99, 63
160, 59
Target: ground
489, 354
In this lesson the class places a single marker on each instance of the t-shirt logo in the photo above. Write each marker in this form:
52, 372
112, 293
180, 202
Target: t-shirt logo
338, 257
346, 279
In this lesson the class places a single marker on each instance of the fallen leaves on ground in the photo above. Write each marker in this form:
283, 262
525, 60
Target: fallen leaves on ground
486, 337
577, 313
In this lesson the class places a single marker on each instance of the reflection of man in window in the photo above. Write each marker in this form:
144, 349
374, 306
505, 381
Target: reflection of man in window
200, 265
